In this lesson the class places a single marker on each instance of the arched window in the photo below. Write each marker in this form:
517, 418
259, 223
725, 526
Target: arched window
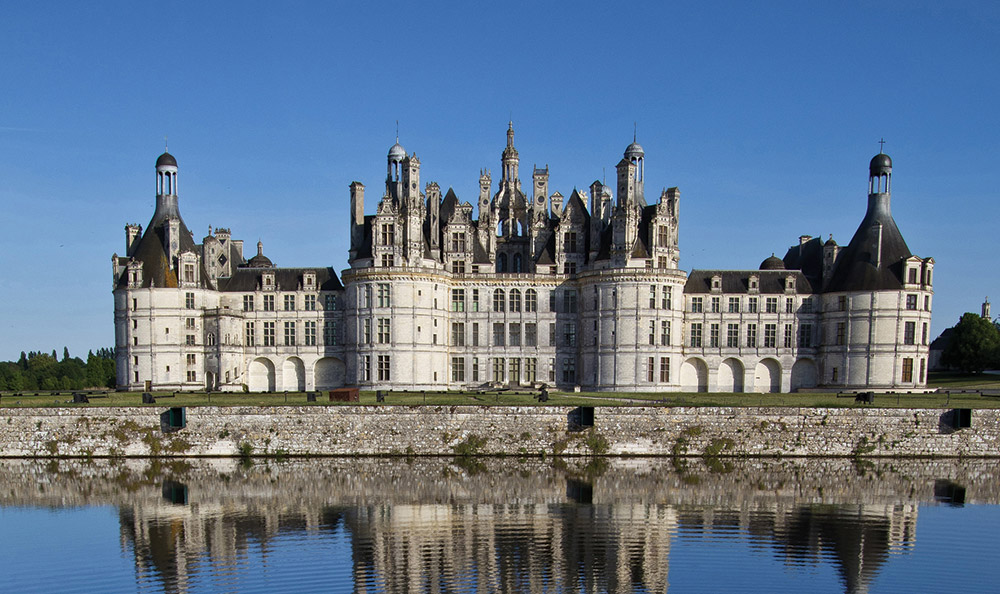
498, 300
502, 263
517, 263
515, 300
530, 300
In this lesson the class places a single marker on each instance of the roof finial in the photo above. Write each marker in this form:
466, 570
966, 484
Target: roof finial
881, 144
635, 126
397, 131
165, 147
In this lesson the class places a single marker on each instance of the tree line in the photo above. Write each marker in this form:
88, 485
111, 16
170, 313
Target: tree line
45, 371
974, 345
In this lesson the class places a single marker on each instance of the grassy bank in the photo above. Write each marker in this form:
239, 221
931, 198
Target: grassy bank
961, 392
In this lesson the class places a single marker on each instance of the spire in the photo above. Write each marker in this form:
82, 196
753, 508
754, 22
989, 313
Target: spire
510, 134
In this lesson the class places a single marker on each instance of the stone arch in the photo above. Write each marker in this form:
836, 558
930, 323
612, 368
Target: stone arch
767, 376
210, 383
694, 376
262, 375
329, 372
293, 375
804, 374
730, 376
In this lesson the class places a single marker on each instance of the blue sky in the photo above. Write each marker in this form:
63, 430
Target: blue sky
764, 116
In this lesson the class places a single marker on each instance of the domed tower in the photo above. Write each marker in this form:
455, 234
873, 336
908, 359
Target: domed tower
509, 158
630, 175
879, 174
166, 187
394, 170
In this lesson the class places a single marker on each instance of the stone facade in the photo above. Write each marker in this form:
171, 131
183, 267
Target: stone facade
583, 291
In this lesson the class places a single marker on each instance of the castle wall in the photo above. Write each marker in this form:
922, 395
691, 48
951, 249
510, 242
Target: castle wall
381, 430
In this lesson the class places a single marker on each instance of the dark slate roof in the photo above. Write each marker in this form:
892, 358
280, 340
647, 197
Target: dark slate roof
807, 257
856, 269
448, 206
246, 280
479, 255
604, 251
772, 262
156, 271
166, 159
738, 281
365, 249
548, 253
943, 340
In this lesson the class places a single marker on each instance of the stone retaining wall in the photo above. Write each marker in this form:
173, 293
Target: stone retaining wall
441, 430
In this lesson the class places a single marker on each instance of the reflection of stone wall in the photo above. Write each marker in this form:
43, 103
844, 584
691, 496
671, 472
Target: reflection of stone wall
358, 430
506, 523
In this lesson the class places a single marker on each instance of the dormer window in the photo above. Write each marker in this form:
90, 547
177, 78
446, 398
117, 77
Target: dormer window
716, 283
790, 283
754, 283
309, 280
268, 280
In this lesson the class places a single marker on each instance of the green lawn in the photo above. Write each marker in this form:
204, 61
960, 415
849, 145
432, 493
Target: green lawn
943, 400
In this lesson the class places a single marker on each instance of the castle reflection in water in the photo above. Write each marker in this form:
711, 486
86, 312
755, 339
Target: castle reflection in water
506, 525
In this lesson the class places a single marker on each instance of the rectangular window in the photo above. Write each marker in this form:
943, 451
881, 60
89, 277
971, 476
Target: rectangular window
475, 334
923, 335
788, 336
192, 375
789, 304
310, 335
330, 302
909, 332
515, 300
498, 370
752, 305
499, 300
384, 294
189, 300
475, 299
289, 302
665, 333
530, 334
366, 331
552, 334
841, 333
667, 298
664, 370
569, 301
189, 340
458, 334
192, 359
530, 370
923, 369
569, 268
733, 336
696, 335
911, 302
330, 333
734, 305
498, 334
475, 369
842, 302
716, 304
713, 335
458, 242
268, 302
458, 267
248, 303
188, 323
650, 369
805, 336
383, 368
515, 370
907, 370
771, 305
697, 305
365, 369
652, 332
569, 242
569, 371
663, 236
384, 334
770, 336
912, 276
530, 300
388, 234
514, 334
807, 305
458, 300
458, 369
652, 296
289, 333
269, 334
366, 297
552, 300
752, 335
310, 303
570, 334
249, 334
927, 303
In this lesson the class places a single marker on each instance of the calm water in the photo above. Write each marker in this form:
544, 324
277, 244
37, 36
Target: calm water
499, 525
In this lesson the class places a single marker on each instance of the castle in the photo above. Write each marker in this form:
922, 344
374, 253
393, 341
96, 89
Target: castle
583, 291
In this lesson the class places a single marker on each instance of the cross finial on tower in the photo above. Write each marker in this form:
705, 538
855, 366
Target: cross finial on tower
165, 147
881, 144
